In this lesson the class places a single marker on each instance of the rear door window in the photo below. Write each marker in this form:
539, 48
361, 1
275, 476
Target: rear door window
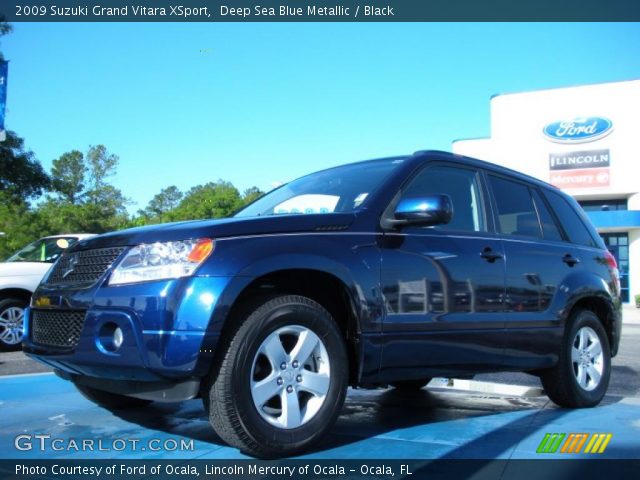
570, 220
515, 210
549, 228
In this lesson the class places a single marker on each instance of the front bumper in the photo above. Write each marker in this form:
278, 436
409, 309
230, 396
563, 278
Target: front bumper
166, 329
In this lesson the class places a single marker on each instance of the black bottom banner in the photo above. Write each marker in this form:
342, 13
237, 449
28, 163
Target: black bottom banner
546, 469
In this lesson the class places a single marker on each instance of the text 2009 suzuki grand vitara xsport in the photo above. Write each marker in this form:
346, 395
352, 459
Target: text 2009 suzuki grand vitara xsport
382, 272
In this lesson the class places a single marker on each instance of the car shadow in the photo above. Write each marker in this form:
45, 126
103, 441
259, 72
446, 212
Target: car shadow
369, 414
627, 380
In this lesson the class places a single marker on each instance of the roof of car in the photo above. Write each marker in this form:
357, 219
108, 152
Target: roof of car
484, 164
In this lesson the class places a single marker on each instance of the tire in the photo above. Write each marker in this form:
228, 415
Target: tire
250, 391
11, 328
108, 400
410, 385
573, 383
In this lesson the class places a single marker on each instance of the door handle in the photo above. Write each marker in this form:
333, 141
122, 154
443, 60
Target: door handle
489, 255
570, 260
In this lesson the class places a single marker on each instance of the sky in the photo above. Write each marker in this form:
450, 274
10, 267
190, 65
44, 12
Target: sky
259, 104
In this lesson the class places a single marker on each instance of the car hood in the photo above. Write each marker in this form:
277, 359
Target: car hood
226, 227
22, 269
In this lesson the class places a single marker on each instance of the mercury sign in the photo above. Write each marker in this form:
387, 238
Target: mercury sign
578, 130
580, 169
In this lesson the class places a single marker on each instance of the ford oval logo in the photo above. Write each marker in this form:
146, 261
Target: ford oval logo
578, 130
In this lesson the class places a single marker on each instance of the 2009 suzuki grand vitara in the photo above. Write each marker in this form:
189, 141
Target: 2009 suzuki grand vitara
383, 272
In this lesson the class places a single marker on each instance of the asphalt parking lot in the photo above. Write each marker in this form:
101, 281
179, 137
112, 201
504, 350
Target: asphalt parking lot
501, 416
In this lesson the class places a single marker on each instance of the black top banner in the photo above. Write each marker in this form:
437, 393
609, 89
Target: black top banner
318, 10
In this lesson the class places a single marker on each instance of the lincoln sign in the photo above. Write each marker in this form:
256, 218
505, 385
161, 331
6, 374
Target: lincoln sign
573, 160
580, 169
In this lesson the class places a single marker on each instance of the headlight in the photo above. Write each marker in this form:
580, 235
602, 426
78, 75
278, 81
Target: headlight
155, 261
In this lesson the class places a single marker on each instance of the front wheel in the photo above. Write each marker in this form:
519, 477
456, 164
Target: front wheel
11, 323
282, 381
582, 375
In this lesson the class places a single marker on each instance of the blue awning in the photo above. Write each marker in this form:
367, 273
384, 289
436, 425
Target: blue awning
615, 219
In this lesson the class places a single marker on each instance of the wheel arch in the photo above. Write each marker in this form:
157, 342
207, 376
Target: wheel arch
20, 293
322, 286
603, 307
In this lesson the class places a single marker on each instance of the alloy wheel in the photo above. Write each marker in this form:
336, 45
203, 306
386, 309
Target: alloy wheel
11, 328
290, 376
587, 358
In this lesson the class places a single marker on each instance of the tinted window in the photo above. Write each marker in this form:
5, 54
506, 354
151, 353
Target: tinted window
549, 228
516, 213
461, 185
570, 220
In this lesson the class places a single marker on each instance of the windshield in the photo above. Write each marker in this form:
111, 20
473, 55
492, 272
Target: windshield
46, 250
340, 189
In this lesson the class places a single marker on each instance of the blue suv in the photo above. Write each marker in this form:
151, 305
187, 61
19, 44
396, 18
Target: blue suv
385, 272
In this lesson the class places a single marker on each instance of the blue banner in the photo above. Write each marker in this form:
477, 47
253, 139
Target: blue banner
4, 71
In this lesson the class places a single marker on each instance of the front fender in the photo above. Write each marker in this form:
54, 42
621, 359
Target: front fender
354, 260
363, 293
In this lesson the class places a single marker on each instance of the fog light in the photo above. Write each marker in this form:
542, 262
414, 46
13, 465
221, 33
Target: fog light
110, 337
118, 338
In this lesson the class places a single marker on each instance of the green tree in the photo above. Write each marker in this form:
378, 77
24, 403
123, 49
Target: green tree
21, 174
251, 194
68, 176
101, 165
17, 222
212, 200
85, 201
162, 204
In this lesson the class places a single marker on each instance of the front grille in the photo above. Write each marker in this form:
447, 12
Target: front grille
57, 328
83, 267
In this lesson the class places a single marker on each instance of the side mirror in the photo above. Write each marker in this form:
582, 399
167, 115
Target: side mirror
427, 210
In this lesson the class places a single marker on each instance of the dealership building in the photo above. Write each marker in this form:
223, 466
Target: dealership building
586, 141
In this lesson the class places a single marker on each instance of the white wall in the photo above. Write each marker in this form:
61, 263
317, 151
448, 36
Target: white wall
517, 141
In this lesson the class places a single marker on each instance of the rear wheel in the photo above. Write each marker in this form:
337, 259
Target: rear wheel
283, 379
11, 323
582, 375
410, 385
108, 400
